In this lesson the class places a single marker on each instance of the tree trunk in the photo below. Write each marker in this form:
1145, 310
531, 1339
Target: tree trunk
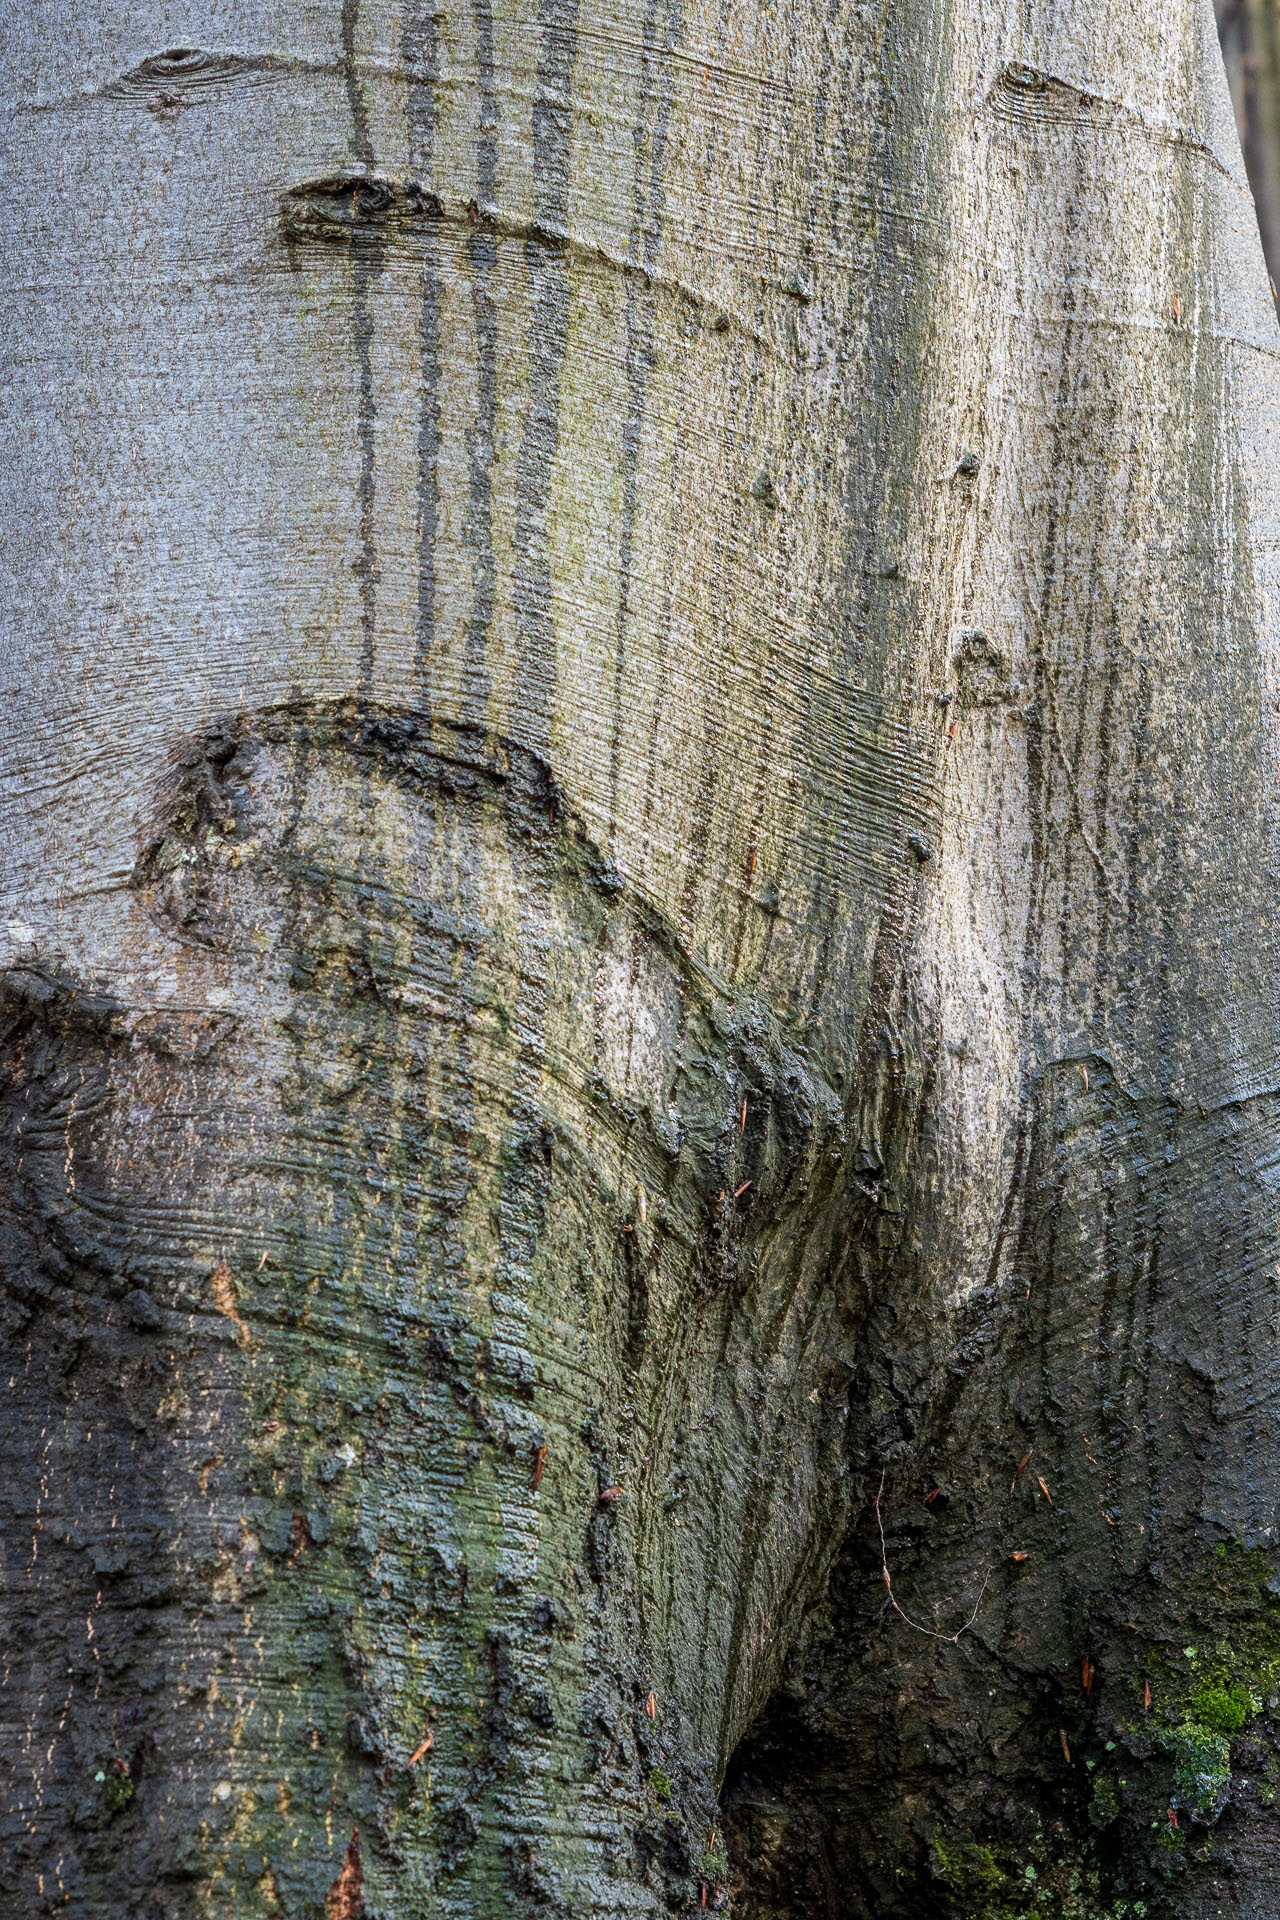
641, 1254
1250, 35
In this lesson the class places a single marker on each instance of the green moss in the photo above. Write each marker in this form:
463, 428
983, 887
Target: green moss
1202, 1763
660, 1783
1104, 1805
971, 1873
714, 1864
1220, 1706
1208, 1694
117, 1786
989, 1882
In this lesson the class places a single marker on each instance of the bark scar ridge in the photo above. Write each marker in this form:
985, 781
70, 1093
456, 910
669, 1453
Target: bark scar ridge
360, 208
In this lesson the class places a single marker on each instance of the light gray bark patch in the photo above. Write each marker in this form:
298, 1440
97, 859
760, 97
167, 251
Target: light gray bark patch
422, 62
481, 436
366, 269
549, 294
886, 308
644, 244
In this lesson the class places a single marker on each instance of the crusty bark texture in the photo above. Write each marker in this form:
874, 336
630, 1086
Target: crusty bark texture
638, 1021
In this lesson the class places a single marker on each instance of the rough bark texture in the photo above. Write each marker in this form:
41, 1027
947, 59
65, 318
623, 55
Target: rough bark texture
641, 843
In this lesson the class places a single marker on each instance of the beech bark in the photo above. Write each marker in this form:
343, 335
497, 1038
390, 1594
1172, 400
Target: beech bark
640, 1050
1250, 34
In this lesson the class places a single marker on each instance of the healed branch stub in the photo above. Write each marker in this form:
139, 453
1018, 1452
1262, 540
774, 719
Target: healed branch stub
612, 766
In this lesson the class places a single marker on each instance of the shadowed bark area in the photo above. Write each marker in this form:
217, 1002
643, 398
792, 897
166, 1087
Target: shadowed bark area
1250, 35
639, 1044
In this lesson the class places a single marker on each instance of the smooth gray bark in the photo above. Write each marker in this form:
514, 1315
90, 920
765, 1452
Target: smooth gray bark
640, 838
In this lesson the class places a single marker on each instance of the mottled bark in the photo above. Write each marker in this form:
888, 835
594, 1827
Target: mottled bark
640, 846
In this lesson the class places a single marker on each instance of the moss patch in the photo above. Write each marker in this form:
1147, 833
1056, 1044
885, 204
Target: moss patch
1202, 1764
991, 1882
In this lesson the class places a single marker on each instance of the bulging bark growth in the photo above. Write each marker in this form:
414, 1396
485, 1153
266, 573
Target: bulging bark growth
639, 1040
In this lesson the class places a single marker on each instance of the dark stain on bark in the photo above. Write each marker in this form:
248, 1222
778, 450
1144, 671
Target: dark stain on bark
422, 60
549, 297
653, 116
366, 270
481, 435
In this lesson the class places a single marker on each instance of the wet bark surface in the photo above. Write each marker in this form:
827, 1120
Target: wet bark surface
638, 1035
